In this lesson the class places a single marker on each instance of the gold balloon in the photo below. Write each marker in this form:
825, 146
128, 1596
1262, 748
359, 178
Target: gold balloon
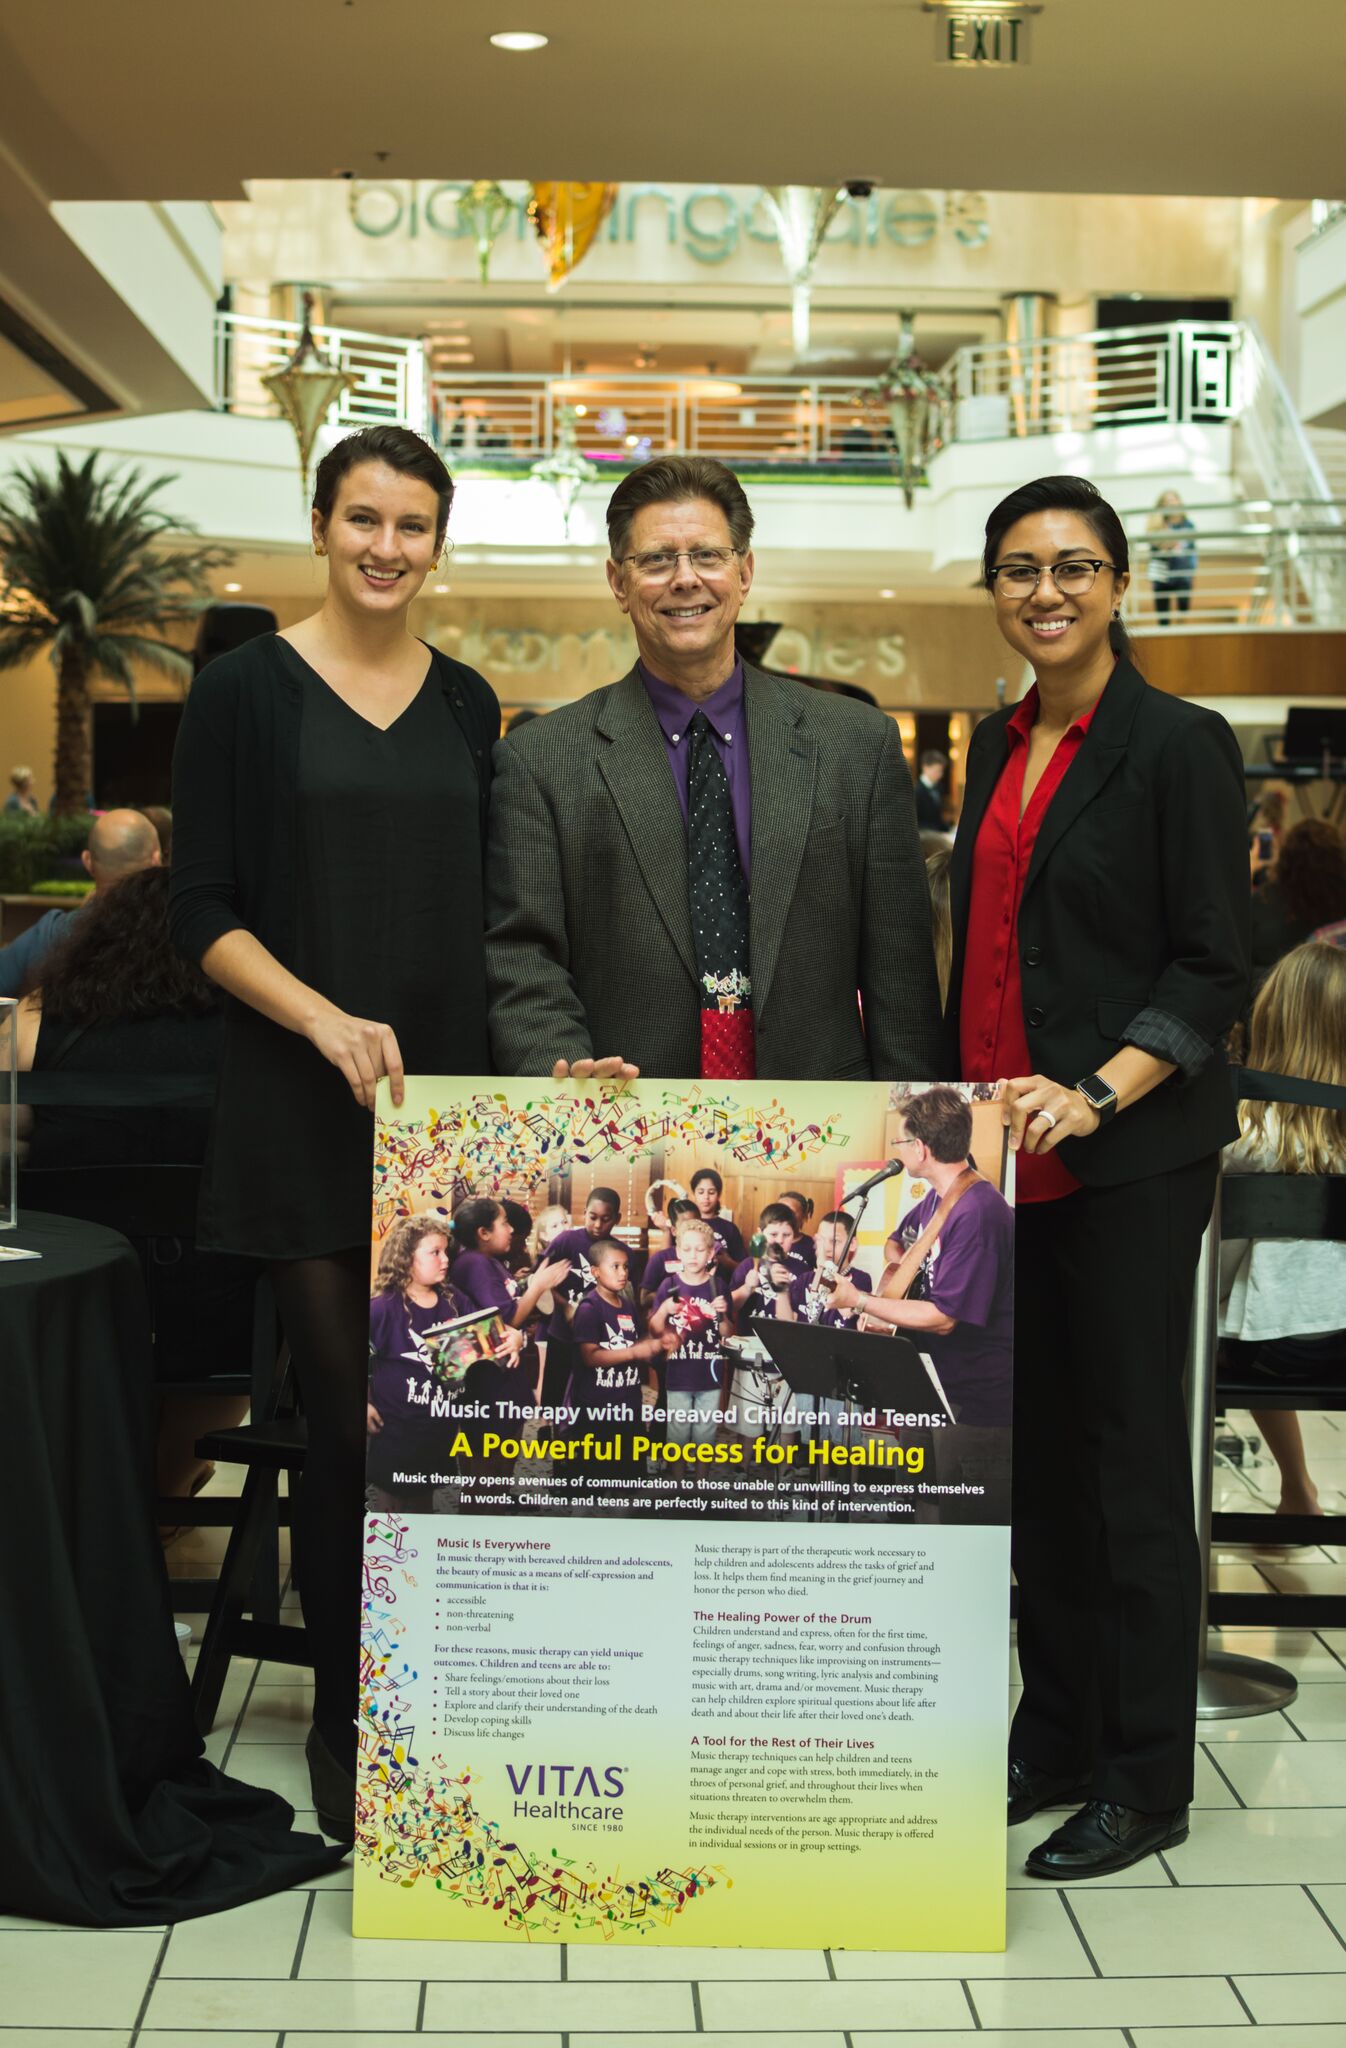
566, 218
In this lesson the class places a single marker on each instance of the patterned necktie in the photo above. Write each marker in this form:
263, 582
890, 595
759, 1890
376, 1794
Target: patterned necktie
718, 896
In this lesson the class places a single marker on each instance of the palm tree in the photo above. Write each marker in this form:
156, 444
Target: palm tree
90, 578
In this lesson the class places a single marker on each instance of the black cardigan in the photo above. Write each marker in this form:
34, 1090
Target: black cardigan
235, 776
1133, 924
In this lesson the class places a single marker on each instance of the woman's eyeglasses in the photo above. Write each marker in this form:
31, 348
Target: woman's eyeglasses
1021, 579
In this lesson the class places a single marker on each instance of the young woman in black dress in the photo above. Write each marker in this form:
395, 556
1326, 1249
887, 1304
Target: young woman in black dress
329, 797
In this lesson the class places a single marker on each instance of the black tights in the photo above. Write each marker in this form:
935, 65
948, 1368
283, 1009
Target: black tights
324, 1310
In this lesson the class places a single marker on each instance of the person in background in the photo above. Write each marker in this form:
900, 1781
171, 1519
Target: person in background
411, 1295
1305, 888
761, 1284
115, 998
21, 802
707, 1191
934, 766
601, 1213
610, 1349
1099, 889
520, 1258
480, 1271
1266, 829
326, 780
120, 844
1283, 1302
161, 818
661, 1263
801, 1207
941, 924
692, 1305
1172, 557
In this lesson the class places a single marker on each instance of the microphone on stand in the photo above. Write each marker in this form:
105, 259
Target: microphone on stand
886, 1172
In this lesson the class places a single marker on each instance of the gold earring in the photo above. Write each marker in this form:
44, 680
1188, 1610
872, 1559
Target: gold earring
318, 552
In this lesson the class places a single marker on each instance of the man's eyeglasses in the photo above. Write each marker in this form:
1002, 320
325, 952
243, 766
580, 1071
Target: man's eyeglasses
1021, 579
657, 565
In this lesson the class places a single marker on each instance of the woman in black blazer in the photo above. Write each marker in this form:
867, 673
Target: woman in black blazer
329, 795
1099, 892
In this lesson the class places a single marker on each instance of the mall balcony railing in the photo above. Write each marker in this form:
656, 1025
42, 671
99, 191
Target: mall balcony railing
1132, 376
389, 372
1137, 375
1260, 566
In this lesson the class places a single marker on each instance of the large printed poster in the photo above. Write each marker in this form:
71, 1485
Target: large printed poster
687, 1549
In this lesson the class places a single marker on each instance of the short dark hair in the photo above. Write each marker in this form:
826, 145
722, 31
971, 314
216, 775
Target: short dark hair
942, 1121
601, 1246
607, 1196
837, 1216
776, 1212
1062, 494
400, 449
471, 1217
932, 758
671, 480
681, 1207
708, 1173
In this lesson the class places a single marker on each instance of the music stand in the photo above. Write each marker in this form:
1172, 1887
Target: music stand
855, 1366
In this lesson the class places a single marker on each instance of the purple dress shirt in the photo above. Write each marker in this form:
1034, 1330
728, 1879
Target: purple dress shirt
729, 736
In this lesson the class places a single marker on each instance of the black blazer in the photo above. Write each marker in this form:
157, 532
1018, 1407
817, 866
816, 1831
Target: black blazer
1135, 912
589, 935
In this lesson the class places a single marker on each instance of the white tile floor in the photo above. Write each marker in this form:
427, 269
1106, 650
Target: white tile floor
1243, 1926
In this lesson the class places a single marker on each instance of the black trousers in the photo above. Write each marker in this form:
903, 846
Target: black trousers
1104, 1542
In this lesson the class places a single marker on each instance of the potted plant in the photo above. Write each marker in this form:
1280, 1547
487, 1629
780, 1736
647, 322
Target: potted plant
94, 574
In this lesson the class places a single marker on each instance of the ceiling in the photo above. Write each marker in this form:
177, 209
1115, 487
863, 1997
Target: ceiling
151, 99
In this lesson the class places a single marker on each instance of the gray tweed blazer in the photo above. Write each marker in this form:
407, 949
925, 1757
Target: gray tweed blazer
589, 936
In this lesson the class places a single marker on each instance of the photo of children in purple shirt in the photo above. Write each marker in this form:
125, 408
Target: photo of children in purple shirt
693, 1305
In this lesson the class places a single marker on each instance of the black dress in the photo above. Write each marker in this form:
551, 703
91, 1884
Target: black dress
388, 917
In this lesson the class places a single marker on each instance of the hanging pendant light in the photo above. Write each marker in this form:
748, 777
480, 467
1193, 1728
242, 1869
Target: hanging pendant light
565, 469
803, 214
484, 210
566, 219
914, 400
306, 388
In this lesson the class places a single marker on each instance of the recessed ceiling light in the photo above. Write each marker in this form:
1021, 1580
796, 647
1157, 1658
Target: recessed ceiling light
520, 39
233, 586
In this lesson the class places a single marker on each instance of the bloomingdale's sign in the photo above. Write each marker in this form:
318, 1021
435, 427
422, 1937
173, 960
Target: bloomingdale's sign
711, 222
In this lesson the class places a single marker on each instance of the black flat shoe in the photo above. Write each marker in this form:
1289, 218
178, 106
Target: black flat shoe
333, 1790
1103, 1837
1031, 1789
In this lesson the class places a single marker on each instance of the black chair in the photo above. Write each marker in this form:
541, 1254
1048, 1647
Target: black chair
1288, 1206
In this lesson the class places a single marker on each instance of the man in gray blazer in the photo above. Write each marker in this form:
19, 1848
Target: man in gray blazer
590, 950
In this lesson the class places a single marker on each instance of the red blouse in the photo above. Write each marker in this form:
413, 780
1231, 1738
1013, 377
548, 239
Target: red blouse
992, 1039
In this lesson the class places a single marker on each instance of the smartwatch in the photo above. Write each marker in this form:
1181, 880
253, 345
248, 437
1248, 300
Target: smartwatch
1099, 1096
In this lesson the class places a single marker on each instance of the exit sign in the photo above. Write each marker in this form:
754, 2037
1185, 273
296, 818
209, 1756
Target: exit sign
969, 35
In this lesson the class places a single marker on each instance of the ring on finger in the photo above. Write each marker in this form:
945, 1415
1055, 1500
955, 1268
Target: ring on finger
1045, 1116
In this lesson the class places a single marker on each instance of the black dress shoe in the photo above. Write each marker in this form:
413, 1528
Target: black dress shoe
1031, 1789
333, 1790
1104, 1837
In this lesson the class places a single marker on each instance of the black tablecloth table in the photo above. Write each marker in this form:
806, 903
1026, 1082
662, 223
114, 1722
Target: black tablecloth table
109, 1814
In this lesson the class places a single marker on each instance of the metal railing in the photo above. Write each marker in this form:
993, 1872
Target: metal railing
1259, 565
389, 372
1121, 376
